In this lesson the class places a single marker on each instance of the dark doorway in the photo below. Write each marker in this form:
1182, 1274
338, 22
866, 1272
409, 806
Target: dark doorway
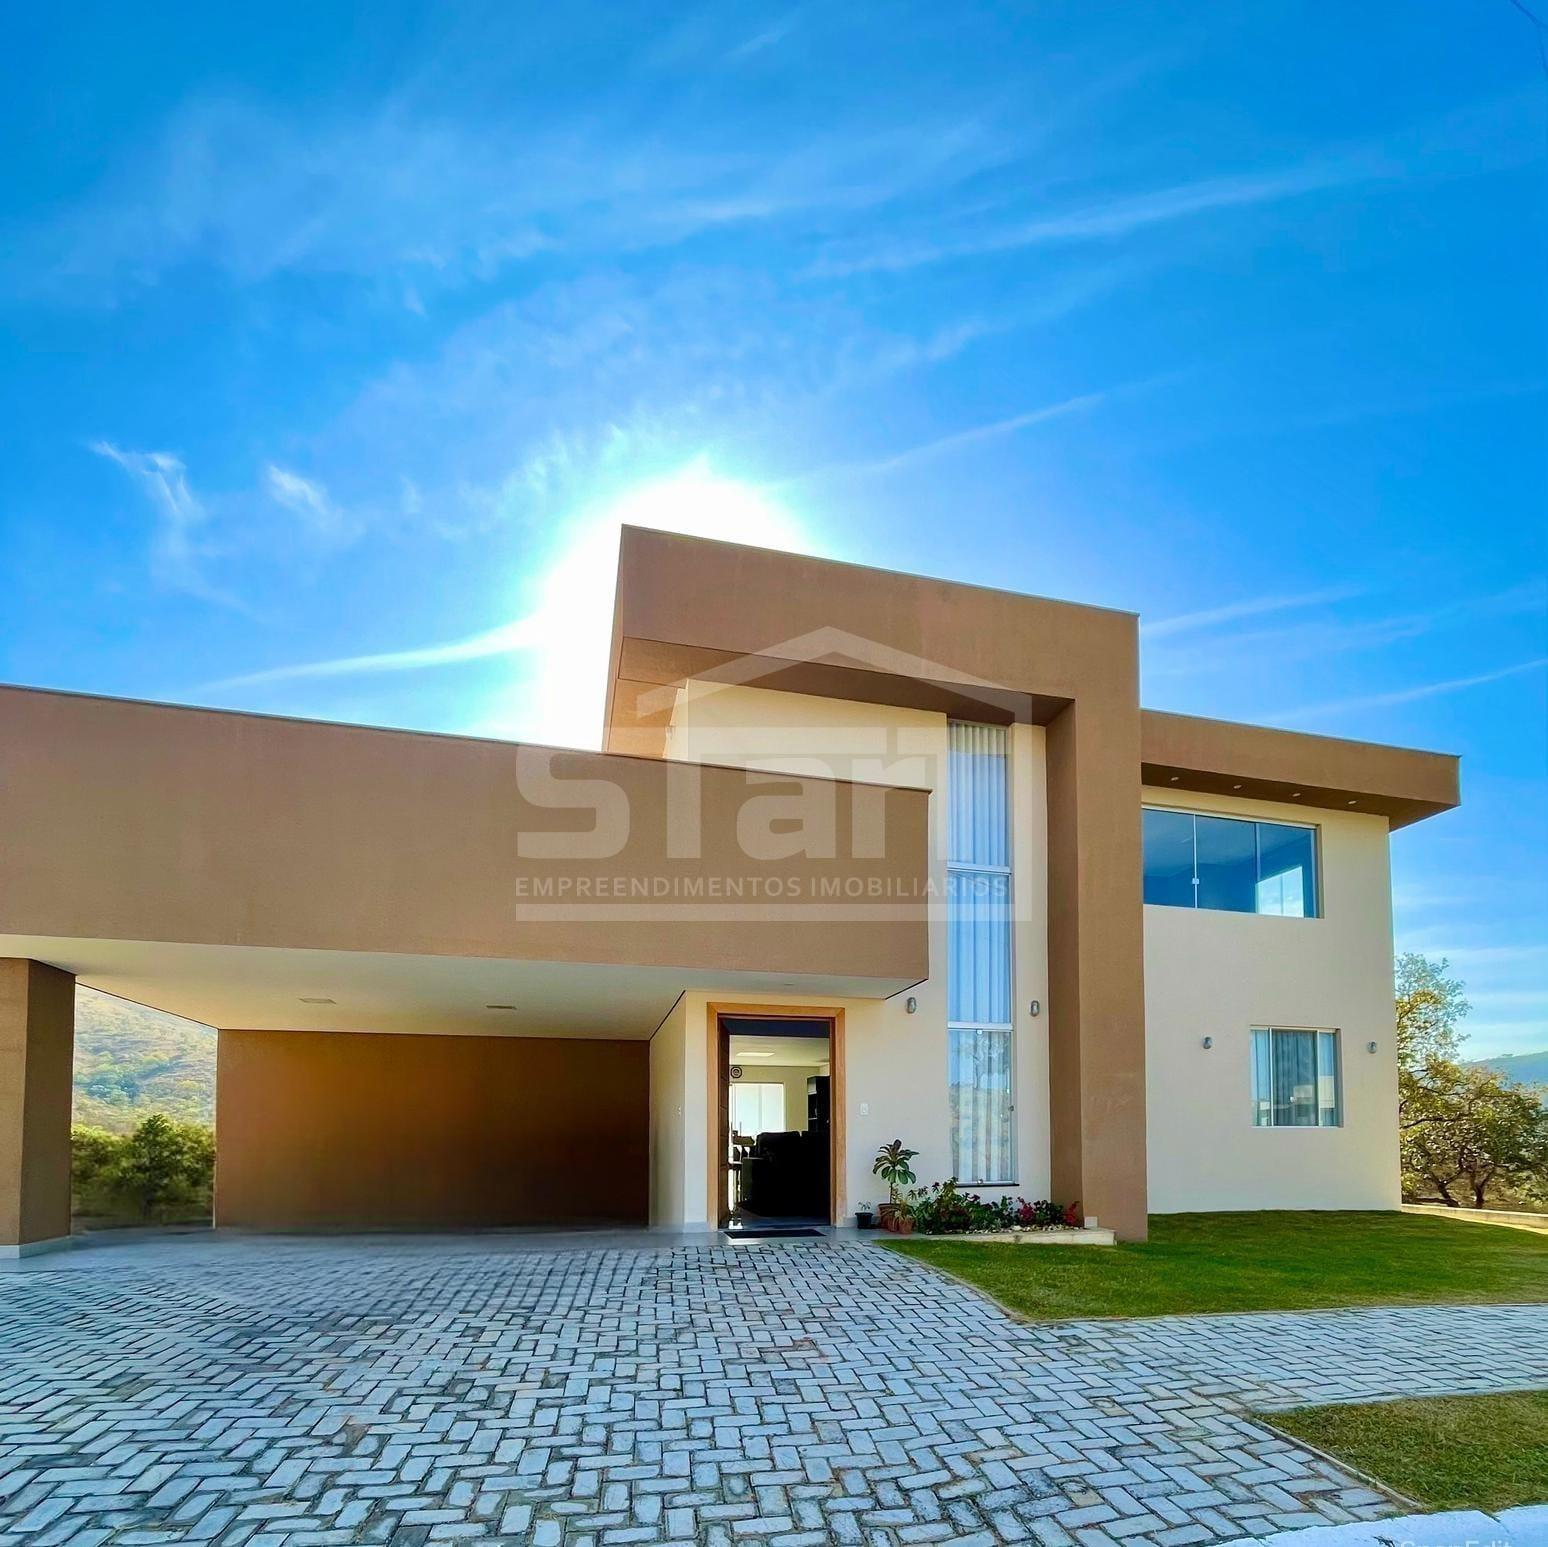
776, 1088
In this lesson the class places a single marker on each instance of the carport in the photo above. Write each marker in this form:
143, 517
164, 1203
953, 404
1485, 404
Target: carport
436, 963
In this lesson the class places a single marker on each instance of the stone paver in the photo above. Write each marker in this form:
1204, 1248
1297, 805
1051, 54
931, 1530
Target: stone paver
783, 1394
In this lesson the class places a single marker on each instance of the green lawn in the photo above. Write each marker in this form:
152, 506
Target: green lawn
1447, 1452
1255, 1262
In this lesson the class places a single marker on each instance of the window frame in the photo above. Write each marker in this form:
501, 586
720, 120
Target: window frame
1255, 822
1269, 1029
1008, 872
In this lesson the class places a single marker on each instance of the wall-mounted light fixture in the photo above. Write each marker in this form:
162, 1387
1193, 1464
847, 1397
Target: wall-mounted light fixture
1370, 1047
1209, 1042
1035, 1008
911, 1004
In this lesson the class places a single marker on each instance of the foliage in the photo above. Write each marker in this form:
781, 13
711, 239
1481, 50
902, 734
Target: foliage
1475, 1452
1429, 1006
944, 1209
892, 1166
163, 1167
131, 1061
1257, 1262
1465, 1132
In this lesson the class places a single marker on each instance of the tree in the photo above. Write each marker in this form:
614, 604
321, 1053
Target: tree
1429, 1006
1464, 1130
162, 1162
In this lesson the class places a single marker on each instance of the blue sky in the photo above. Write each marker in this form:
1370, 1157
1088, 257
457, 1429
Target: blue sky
335, 341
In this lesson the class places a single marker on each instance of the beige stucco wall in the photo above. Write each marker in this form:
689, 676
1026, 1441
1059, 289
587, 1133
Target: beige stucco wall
895, 1063
1217, 974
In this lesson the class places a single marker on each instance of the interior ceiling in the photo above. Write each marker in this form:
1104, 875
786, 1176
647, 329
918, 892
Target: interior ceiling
778, 1053
256, 989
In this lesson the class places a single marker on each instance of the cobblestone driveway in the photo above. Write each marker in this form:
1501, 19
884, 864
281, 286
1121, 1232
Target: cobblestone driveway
373, 1391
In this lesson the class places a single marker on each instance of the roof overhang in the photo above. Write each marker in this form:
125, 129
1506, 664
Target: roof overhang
1220, 757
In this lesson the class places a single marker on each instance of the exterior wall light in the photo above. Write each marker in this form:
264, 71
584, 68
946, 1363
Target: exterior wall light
1035, 1008
1370, 1047
911, 1004
1209, 1042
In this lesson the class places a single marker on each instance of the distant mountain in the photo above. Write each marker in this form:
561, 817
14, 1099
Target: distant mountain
131, 1061
1519, 1068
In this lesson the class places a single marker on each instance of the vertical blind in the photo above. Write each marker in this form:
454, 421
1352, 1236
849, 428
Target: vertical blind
978, 951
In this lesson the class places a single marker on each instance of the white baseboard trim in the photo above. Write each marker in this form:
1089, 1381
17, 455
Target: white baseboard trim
36, 1248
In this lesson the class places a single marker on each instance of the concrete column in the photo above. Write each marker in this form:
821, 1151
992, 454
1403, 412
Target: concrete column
37, 1060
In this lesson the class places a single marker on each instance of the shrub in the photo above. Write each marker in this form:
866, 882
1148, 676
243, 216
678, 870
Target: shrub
944, 1209
162, 1166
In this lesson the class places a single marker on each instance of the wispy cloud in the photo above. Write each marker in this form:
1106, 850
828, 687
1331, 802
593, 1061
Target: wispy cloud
1321, 638
1482, 136
506, 639
308, 499
1251, 607
1106, 218
1409, 695
946, 445
178, 546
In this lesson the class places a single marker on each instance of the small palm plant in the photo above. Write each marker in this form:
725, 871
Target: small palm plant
892, 1166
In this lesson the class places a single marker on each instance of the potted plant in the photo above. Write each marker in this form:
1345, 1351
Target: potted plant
864, 1217
892, 1166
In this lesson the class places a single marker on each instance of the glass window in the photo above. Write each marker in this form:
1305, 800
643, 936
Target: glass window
980, 1082
977, 796
1285, 870
1295, 1078
1169, 858
978, 947
757, 1108
979, 964
1228, 863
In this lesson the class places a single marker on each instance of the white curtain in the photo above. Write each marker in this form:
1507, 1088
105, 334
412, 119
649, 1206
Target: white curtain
978, 951
977, 796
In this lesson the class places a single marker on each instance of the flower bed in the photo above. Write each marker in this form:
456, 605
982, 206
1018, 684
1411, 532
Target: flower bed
944, 1209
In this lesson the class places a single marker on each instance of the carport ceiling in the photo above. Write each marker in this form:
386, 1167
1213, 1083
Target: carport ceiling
257, 989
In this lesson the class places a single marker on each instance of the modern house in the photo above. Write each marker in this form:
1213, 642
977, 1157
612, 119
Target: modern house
866, 856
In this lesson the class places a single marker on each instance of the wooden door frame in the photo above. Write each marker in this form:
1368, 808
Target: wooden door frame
719, 1063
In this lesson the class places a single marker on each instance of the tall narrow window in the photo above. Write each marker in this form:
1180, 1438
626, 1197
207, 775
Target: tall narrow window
978, 952
1295, 1078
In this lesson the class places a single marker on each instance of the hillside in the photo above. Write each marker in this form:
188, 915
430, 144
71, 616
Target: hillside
1519, 1068
130, 1062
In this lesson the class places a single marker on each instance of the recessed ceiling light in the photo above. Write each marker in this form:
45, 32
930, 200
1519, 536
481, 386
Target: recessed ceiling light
305, 1000
766, 1052
1354, 803
1175, 778
1236, 786
1295, 794
499, 1007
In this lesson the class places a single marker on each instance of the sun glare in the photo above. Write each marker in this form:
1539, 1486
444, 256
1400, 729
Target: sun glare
571, 623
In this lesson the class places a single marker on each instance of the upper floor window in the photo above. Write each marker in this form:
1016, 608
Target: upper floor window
1194, 861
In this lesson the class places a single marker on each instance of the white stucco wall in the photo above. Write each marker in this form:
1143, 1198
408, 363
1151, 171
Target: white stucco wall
1218, 974
895, 1063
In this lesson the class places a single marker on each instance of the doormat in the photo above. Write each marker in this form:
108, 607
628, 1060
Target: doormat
768, 1235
